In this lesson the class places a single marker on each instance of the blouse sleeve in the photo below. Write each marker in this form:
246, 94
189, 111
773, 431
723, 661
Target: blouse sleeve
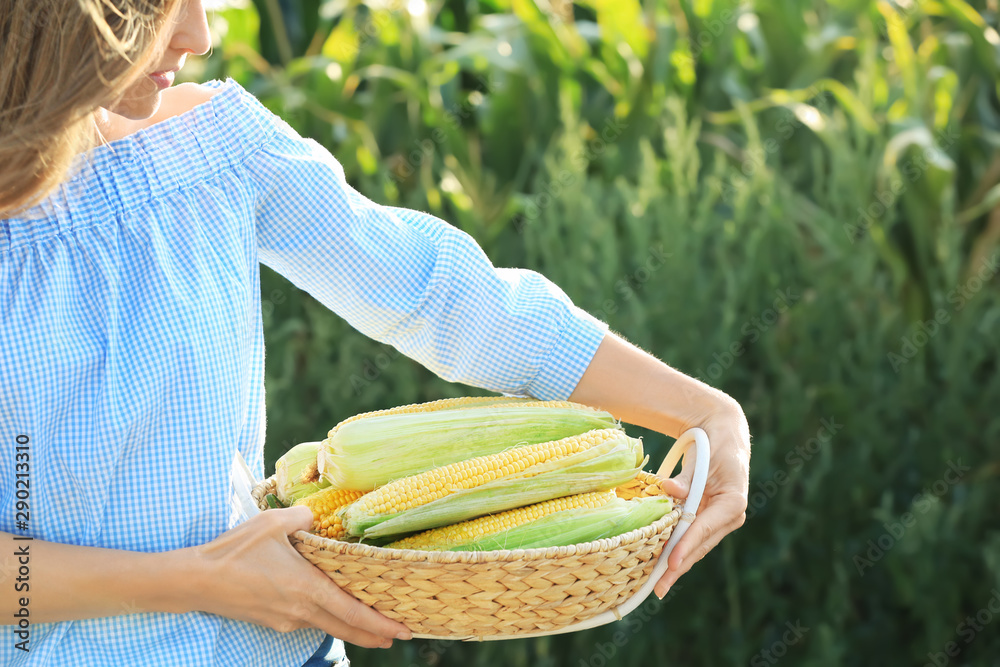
413, 281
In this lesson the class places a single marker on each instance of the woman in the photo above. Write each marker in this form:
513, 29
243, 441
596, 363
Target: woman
133, 218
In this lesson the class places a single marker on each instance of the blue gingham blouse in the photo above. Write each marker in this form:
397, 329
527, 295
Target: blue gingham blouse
132, 353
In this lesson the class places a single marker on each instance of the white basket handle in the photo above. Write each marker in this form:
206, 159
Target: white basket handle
699, 439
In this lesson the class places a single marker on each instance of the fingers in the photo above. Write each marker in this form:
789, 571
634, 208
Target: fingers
724, 503
331, 599
292, 519
676, 487
330, 624
306, 614
724, 514
306, 596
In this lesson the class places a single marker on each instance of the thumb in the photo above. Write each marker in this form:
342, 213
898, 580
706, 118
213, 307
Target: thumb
294, 518
678, 486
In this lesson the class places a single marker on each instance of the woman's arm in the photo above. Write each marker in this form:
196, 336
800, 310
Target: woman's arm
66, 582
638, 388
413, 281
249, 573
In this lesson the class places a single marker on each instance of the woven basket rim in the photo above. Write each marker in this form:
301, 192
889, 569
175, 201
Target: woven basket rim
606, 544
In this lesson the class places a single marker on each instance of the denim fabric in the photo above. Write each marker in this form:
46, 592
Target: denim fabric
330, 654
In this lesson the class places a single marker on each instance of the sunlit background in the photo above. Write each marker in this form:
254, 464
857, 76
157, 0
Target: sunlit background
795, 201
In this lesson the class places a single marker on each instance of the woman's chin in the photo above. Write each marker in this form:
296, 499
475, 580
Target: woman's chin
139, 107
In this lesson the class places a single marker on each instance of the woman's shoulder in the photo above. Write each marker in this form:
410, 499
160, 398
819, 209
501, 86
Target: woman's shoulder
222, 111
199, 131
184, 96
180, 99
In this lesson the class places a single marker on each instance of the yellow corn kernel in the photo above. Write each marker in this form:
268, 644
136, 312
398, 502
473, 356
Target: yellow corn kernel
369, 450
324, 506
422, 488
524, 475
438, 539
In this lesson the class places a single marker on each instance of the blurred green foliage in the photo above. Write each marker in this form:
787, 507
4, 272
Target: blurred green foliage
795, 201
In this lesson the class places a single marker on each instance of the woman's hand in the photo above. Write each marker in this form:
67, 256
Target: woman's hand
724, 503
252, 573
638, 388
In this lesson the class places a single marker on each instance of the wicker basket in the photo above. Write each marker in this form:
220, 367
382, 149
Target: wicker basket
510, 593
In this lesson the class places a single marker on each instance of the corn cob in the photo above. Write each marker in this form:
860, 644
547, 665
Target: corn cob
370, 450
595, 460
440, 404
449, 537
296, 474
553, 523
324, 506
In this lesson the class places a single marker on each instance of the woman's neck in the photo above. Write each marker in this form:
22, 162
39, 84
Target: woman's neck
111, 127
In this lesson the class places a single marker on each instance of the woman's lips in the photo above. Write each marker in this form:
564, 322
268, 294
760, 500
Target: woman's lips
163, 80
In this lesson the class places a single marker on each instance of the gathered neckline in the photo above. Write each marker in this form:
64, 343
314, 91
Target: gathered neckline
111, 181
219, 86
151, 131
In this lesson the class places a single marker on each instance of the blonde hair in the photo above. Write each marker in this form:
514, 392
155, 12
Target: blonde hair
61, 60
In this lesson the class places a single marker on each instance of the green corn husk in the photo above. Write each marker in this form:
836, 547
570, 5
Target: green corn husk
369, 452
273, 502
296, 474
572, 526
576, 526
604, 466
